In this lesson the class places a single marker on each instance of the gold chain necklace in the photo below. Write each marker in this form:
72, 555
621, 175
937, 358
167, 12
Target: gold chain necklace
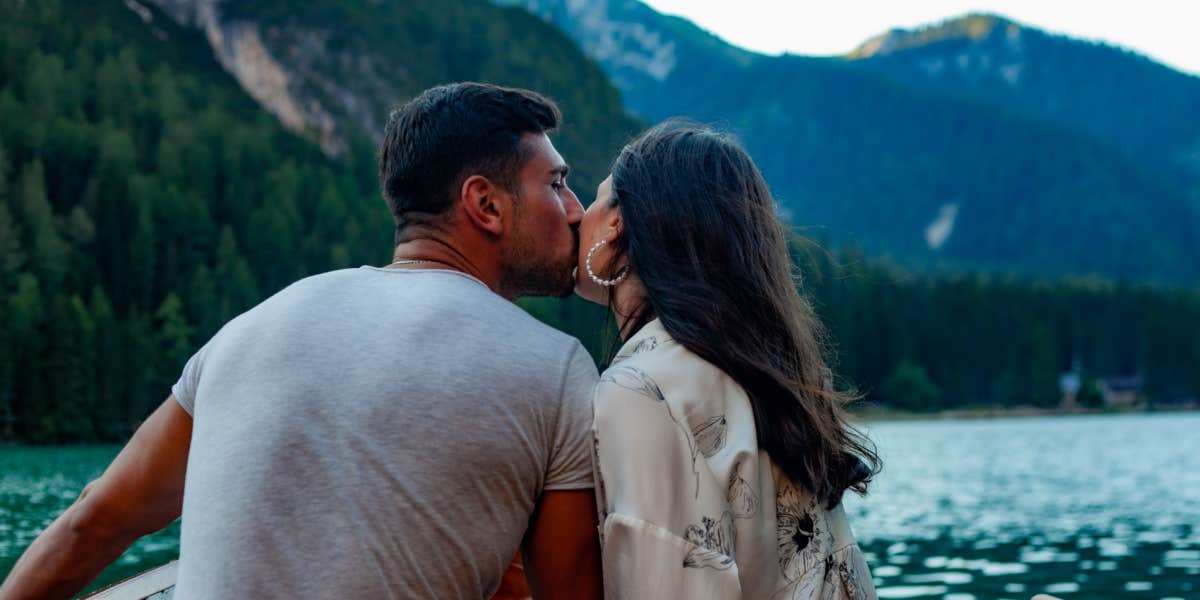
408, 262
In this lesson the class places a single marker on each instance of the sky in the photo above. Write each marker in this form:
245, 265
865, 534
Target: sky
1167, 31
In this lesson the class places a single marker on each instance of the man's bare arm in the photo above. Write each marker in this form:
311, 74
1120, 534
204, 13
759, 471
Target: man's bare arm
562, 547
140, 493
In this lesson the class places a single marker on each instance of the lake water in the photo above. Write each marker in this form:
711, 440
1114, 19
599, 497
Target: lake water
1081, 507
1085, 507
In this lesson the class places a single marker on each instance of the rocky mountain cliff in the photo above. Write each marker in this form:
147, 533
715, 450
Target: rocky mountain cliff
278, 81
333, 71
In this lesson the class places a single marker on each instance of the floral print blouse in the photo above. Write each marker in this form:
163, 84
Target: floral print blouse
690, 507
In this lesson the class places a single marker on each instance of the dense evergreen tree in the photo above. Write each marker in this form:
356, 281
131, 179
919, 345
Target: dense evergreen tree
1090, 395
997, 340
11, 256
909, 387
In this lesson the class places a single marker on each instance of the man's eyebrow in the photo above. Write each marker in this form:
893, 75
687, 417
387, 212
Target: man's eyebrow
561, 170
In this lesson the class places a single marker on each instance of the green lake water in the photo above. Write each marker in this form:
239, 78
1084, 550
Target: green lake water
1080, 507
39, 483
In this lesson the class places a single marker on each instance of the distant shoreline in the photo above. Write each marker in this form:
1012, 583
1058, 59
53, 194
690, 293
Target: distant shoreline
868, 413
879, 413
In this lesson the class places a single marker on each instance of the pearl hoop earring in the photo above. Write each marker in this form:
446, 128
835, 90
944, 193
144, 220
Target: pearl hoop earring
603, 282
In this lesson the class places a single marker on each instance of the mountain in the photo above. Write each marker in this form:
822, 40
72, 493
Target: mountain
1126, 100
907, 169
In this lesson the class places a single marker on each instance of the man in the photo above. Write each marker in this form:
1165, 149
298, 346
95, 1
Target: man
391, 432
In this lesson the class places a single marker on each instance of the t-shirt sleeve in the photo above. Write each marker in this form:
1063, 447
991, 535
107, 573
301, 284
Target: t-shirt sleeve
184, 390
570, 465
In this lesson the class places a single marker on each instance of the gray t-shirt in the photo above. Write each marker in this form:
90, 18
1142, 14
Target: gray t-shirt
376, 433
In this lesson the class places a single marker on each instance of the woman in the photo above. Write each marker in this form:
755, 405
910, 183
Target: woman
722, 453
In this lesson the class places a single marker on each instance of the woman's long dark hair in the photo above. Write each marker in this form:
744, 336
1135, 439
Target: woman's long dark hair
700, 231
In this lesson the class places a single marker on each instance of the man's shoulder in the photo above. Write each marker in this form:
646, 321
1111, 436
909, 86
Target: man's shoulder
539, 343
470, 311
527, 325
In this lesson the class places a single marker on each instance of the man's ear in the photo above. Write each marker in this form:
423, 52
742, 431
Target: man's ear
482, 202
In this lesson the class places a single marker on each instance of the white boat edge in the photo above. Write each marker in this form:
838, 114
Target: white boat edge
162, 579
142, 585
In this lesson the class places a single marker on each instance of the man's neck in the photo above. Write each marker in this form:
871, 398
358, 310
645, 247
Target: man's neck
433, 253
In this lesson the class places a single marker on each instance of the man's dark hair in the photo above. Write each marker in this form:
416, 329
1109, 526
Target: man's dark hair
450, 132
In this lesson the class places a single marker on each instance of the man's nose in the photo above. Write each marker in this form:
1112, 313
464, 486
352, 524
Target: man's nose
573, 207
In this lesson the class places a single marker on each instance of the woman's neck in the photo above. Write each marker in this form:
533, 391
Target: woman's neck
628, 301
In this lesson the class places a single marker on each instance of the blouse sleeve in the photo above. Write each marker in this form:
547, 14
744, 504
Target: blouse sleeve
663, 535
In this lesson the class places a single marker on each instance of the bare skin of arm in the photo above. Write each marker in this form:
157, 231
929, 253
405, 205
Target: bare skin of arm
140, 493
561, 551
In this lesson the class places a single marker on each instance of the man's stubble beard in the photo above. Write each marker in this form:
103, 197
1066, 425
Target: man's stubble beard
528, 272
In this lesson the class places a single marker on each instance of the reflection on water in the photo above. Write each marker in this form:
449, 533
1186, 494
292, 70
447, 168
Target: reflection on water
1087, 507
1080, 507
